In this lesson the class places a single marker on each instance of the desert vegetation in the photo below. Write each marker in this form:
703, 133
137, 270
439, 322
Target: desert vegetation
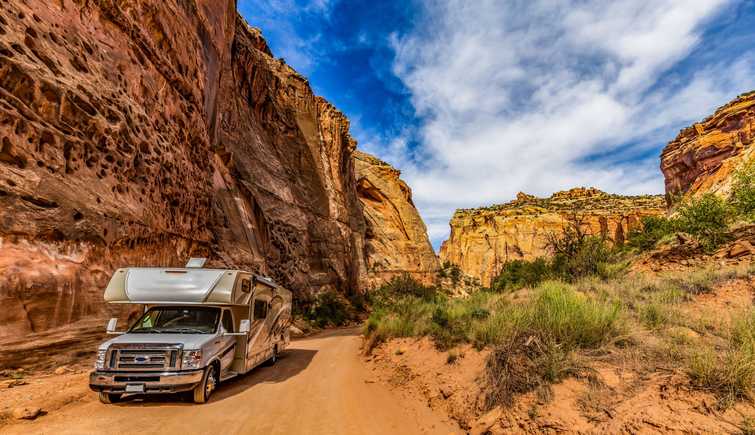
707, 218
548, 319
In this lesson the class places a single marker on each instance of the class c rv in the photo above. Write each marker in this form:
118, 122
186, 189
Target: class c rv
199, 327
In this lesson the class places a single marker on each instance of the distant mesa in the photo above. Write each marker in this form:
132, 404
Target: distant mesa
483, 239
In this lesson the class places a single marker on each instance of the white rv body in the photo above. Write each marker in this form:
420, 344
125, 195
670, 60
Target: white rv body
246, 322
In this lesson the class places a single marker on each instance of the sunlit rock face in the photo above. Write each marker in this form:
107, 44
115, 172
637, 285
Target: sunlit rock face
141, 133
483, 239
396, 239
703, 157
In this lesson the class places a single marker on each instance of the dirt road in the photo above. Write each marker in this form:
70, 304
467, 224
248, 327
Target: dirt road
319, 386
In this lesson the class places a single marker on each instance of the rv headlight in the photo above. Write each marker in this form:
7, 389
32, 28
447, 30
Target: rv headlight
192, 359
99, 363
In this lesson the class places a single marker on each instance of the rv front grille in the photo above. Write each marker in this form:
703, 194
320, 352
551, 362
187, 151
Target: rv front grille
144, 357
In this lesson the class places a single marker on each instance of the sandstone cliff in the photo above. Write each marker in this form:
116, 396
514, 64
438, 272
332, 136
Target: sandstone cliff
483, 239
702, 157
137, 132
396, 239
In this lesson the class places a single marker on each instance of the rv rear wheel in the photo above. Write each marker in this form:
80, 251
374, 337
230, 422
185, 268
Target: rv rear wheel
273, 358
108, 398
205, 388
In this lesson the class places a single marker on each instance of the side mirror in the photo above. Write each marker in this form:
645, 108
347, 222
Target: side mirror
245, 326
111, 326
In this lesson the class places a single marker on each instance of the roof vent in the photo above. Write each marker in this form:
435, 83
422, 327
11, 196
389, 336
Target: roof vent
196, 263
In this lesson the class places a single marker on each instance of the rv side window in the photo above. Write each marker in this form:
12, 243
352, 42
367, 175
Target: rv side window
246, 286
260, 309
227, 321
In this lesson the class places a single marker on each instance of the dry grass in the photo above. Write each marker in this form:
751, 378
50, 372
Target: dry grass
542, 335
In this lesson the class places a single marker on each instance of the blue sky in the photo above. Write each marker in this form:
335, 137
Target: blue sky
476, 101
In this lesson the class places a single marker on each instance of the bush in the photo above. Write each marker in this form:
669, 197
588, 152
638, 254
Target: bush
576, 255
585, 260
743, 190
400, 286
706, 217
522, 273
654, 228
329, 308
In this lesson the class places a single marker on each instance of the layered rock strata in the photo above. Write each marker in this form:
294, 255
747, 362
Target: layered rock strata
483, 239
396, 239
137, 132
703, 157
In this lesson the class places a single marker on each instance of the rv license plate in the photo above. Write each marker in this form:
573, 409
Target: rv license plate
135, 388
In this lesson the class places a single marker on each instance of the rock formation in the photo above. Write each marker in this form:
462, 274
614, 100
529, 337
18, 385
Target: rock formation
396, 239
483, 239
702, 157
136, 132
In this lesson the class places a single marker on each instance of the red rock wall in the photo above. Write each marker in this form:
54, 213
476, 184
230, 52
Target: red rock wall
703, 157
140, 132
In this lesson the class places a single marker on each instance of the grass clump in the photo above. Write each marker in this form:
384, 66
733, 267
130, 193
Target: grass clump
729, 374
539, 348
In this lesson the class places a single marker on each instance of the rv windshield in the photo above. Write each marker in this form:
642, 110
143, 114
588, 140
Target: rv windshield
178, 320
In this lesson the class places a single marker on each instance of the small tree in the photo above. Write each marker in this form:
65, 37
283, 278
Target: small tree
706, 217
743, 190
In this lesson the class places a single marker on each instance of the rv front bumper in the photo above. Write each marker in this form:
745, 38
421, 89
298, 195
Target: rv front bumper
145, 382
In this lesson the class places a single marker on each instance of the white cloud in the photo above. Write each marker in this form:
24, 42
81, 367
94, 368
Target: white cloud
536, 95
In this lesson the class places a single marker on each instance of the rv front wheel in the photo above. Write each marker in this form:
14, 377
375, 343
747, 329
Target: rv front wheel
205, 388
108, 398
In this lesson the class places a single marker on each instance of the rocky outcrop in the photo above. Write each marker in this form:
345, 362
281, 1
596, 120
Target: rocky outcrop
483, 239
396, 239
136, 132
703, 157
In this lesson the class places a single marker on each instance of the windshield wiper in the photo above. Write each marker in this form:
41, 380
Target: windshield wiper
187, 330
147, 331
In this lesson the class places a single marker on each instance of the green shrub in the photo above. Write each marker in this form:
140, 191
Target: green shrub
743, 190
522, 273
329, 308
587, 258
398, 287
706, 217
654, 229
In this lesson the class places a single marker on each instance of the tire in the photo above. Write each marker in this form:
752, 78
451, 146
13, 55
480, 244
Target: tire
203, 391
108, 398
273, 358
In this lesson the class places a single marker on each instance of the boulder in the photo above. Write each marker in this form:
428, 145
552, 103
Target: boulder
740, 248
27, 413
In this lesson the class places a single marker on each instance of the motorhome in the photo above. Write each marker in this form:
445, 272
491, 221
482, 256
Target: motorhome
199, 327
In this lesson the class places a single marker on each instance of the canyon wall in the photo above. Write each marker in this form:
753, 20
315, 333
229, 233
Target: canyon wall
483, 239
703, 157
139, 132
396, 239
